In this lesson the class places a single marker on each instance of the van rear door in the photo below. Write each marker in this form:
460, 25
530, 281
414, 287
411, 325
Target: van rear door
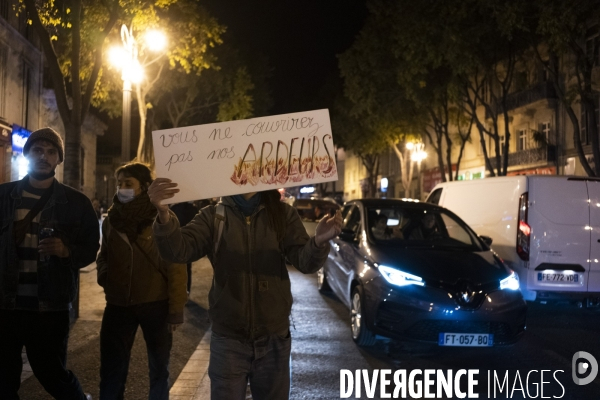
594, 273
560, 235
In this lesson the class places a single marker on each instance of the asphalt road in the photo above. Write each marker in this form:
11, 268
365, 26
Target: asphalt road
322, 346
83, 356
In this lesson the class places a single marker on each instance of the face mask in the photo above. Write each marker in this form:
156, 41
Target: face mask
125, 195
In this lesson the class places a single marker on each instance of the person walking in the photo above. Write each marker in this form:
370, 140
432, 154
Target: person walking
49, 232
248, 239
141, 289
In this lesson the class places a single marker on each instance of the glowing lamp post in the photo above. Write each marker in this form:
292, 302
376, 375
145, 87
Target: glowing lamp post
126, 58
416, 151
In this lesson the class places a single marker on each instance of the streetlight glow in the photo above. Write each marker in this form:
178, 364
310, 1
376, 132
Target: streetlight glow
133, 72
416, 151
155, 40
117, 56
125, 58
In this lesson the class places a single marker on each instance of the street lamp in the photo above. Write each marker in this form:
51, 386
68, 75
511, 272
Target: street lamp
126, 58
416, 151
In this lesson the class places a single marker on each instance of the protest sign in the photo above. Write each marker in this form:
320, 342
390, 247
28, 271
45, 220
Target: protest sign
246, 156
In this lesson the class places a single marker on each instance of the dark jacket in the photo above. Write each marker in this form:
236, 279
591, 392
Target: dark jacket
72, 216
250, 294
135, 274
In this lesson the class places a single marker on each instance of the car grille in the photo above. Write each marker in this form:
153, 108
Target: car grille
429, 330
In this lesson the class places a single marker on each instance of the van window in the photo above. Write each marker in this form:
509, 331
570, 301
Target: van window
434, 197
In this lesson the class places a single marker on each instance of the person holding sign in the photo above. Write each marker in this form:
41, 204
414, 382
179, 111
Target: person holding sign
248, 239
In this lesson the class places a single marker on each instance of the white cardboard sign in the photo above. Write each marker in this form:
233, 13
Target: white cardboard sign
246, 156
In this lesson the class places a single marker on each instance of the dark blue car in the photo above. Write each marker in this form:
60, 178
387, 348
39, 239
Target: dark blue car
416, 271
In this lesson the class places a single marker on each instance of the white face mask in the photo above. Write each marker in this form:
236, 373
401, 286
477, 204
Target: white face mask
125, 195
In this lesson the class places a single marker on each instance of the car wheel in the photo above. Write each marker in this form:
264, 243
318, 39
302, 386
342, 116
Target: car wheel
360, 332
322, 283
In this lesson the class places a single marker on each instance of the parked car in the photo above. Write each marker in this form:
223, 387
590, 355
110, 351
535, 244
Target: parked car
417, 271
546, 228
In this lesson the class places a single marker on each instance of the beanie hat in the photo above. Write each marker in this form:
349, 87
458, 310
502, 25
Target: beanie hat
49, 135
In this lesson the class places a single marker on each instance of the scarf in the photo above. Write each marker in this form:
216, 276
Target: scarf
133, 217
247, 207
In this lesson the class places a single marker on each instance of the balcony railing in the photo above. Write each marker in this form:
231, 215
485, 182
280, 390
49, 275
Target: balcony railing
532, 156
541, 91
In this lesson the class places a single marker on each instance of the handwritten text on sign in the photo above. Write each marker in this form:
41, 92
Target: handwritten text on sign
246, 156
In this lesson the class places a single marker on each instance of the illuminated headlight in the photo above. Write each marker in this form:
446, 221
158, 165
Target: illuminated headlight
399, 278
510, 283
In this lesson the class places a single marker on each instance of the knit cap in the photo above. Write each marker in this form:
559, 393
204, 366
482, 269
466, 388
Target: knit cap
48, 134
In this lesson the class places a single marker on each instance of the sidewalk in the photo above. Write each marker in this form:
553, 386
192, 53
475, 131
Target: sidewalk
193, 382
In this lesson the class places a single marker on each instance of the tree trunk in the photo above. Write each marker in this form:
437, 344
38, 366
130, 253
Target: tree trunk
72, 167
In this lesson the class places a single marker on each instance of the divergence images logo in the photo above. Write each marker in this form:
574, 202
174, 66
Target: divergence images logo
581, 367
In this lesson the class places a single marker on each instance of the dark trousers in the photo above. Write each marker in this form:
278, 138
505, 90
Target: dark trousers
45, 336
119, 326
265, 363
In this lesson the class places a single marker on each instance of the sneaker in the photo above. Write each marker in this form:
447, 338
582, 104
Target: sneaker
88, 396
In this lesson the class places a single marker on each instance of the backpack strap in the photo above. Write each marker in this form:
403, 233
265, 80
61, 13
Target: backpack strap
219, 223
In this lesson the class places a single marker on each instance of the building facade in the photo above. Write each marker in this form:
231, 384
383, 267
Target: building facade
541, 141
21, 68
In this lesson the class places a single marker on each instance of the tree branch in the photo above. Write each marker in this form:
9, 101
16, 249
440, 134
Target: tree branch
58, 80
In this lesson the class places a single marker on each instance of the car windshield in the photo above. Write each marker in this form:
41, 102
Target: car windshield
417, 227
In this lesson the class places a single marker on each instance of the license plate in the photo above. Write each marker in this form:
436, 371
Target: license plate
558, 277
466, 339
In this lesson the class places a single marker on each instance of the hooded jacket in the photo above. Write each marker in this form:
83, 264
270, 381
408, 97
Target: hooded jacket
250, 295
135, 274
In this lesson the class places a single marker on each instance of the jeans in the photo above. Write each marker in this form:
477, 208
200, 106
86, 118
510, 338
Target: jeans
45, 336
265, 363
117, 334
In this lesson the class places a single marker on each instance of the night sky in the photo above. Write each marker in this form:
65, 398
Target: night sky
300, 39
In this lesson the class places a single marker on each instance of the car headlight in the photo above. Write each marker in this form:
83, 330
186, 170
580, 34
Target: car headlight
399, 278
511, 282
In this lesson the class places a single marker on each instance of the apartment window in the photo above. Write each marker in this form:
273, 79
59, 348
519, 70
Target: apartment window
522, 139
545, 131
485, 92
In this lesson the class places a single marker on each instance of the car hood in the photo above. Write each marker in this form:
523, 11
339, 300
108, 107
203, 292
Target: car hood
444, 266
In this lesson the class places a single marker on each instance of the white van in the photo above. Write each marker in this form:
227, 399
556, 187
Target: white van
547, 228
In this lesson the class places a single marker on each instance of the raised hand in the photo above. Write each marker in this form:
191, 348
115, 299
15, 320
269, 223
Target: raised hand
162, 189
328, 228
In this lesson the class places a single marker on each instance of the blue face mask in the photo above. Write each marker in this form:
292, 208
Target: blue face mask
125, 195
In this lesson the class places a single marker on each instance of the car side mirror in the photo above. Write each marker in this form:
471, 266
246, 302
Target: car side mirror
487, 240
347, 235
